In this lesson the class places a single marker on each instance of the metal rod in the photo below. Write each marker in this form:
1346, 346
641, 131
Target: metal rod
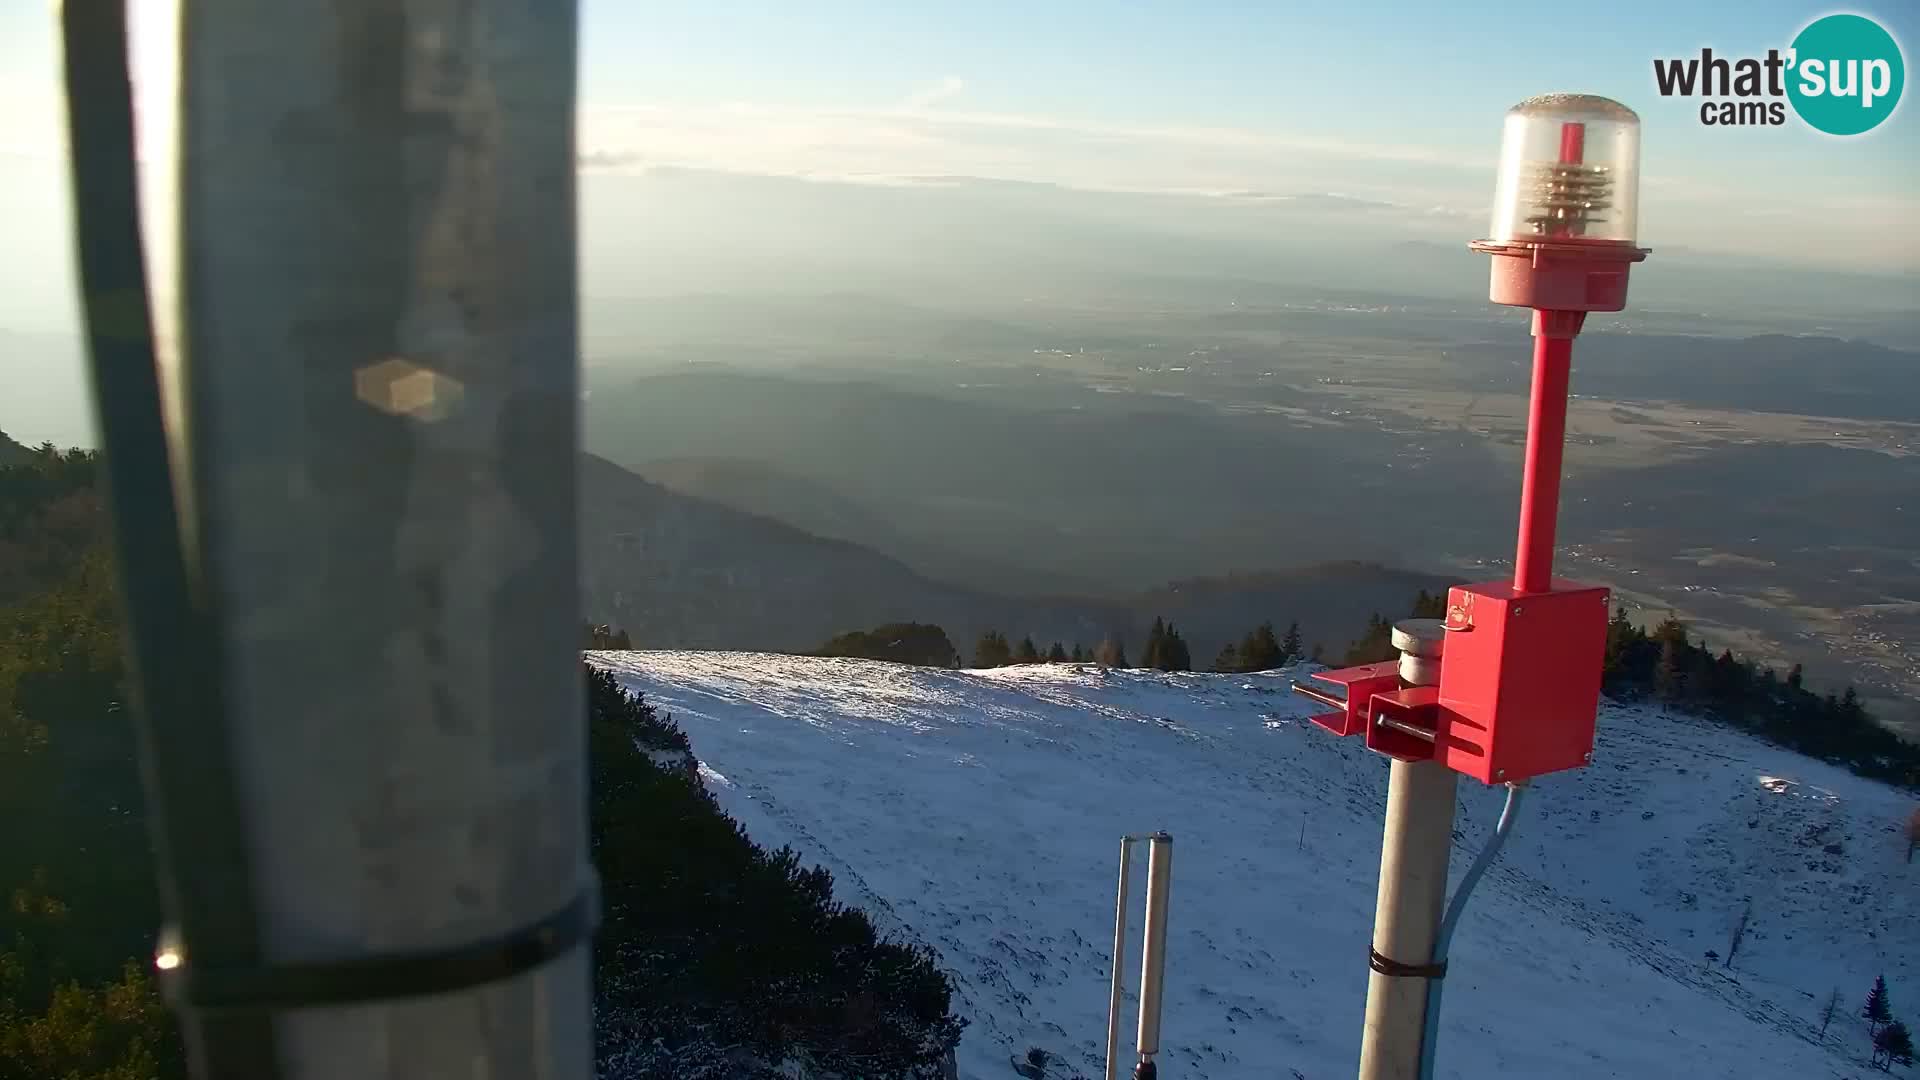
1573, 142
1402, 726
1413, 891
1153, 953
1546, 447
1119, 960
1326, 699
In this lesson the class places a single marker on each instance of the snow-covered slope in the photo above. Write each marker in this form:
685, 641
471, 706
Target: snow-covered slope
980, 812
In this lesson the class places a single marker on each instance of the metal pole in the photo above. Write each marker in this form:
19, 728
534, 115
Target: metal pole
1119, 960
1546, 446
1153, 953
379, 387
1413, 886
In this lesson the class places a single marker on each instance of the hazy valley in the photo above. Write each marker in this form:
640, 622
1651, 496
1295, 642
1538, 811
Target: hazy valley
1038, 406
1060, 455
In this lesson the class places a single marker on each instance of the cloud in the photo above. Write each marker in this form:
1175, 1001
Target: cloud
928, 96
1430, 187
1326, 200
914, 141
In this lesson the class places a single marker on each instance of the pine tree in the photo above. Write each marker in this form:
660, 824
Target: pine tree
1111, 652
1429, 606
1794, 678
1290, 645
1373, 646
992, 651
1624, 641
1876, 1009
1260, 650
1057, 654
1729, 677
1852, 714
1026, 653
1228, 659
1156, 644
1670, 676
1173, 652
1079, 654
1893, 1046
1319, 654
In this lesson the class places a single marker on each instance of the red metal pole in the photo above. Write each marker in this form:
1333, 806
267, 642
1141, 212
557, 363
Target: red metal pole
1546, 444
1573, 143
1553, 334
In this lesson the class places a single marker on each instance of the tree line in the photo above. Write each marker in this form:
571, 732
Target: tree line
1263, 648
1166, 649
1666, 665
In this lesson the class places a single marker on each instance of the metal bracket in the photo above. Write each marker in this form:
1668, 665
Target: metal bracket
1406, 723
1361, 684
1401, 722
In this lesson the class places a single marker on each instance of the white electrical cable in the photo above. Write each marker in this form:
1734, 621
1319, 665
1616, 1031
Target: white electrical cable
1455, 908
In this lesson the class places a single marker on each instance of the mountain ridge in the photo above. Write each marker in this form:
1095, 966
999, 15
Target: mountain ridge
680, 571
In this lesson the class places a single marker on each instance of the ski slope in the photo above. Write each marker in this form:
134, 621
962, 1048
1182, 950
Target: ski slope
979, 812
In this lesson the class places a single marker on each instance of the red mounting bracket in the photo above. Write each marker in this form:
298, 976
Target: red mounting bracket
1406, 724
1361, 684
1399, 722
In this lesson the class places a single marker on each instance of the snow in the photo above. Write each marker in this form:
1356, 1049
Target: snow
980, 813
668, 759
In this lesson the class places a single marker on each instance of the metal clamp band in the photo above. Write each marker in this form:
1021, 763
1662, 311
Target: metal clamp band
1394, 969
382, 977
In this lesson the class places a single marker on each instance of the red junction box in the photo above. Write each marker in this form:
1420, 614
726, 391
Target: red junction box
1520, 681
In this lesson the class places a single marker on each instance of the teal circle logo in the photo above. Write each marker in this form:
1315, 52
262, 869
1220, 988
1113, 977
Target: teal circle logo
1847, 74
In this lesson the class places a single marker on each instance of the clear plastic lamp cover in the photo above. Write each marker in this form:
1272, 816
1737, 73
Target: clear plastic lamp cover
1569, 171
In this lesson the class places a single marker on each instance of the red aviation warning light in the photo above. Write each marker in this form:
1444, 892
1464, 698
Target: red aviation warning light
1519, 666
1507, 686
1566, 205
1521, 683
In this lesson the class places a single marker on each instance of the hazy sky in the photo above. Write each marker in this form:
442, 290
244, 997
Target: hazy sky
1397, 102
1392, 100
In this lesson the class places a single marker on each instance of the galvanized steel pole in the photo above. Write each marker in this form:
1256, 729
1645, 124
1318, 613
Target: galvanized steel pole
1153, 952
1115, 994
378, 386
1413, 883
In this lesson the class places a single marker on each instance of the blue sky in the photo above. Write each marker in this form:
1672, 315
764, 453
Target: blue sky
1406, 67
1430, 79
1396, 101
